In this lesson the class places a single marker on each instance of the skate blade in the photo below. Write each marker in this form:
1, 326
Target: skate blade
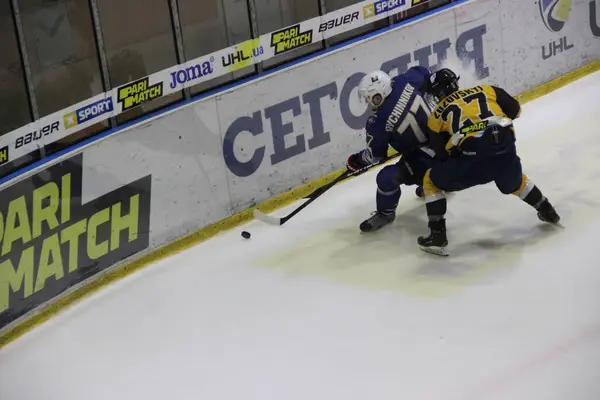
438, 251
554, 225
557, 224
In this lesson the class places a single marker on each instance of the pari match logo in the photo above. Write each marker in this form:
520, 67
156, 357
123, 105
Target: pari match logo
555, 13
381, 6
290, 38
139, 92
4, 155
51, 239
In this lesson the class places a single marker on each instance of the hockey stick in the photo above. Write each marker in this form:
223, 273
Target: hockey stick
280, 221
315, 195
317, 192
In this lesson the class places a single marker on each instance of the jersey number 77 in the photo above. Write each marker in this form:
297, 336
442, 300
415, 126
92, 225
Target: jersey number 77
419, 111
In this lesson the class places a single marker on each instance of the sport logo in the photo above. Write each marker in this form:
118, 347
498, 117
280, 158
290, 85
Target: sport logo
193, 73
88, 112
369, 11
381, 6
139, 92
290, 38
555, 13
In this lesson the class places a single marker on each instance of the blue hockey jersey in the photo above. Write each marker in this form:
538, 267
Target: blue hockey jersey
401, 121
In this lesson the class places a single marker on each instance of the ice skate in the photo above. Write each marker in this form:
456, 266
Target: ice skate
547, 213
436, 242
376, 221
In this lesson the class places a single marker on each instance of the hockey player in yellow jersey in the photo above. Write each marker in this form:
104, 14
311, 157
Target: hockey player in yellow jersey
474, 128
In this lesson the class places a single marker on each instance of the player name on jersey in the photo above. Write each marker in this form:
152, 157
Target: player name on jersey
455, 96
399, 108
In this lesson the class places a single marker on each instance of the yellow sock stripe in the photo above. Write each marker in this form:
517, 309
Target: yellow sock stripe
432, 193
526, 186
524, 181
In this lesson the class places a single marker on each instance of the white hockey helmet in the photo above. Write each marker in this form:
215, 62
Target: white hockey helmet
374, 88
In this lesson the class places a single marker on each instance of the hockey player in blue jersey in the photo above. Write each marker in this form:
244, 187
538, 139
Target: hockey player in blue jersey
399, 120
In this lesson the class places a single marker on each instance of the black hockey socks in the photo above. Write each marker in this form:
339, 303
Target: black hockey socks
532, 195
436, 209
436, 206
387, 202
534, 198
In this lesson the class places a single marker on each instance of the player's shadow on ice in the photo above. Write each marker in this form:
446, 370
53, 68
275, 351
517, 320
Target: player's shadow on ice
485, 243
510, 239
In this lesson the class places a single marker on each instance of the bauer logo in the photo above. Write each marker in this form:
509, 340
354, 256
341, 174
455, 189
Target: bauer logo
382, 6
139, 92
290, 38
191, 75
339, 21
88, 112
555, 13
38, 134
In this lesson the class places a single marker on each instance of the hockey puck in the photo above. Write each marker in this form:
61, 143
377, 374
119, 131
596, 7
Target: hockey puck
246, 235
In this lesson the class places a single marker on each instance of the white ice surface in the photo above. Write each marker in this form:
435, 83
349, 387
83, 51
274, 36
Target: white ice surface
315, 310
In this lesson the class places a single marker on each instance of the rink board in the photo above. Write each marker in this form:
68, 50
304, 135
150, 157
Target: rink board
99, 213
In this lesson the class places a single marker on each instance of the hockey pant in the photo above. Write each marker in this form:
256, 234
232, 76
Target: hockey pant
410, 170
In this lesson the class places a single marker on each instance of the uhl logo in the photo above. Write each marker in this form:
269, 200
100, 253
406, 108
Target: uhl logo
555, 14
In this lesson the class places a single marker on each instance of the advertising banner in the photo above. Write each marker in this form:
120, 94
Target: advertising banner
52, 128
52, 240
546, 39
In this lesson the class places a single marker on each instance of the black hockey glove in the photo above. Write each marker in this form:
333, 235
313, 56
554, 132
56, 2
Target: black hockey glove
356, 162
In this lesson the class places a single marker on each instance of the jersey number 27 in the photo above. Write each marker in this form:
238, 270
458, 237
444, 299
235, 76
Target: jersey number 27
455, 111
